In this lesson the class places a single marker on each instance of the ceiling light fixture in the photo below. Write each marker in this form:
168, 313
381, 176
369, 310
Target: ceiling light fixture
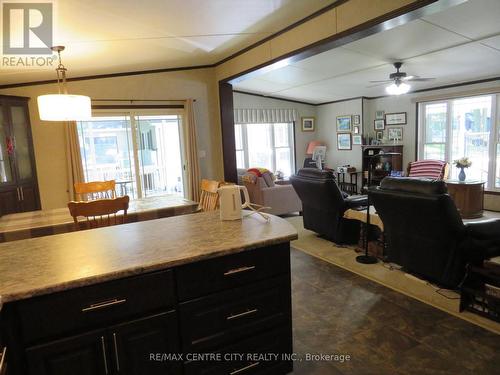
398, 88
63, 106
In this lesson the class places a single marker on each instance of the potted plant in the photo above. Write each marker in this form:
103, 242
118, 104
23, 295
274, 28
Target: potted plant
462, 163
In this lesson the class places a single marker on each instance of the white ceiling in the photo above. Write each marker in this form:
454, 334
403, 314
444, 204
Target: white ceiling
459, 44
110, 36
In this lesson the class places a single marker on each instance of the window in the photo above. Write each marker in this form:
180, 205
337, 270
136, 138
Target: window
141, 151
451, 129
268, 146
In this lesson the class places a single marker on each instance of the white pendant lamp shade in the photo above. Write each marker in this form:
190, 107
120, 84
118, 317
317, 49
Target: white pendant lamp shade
394, 89
64, 107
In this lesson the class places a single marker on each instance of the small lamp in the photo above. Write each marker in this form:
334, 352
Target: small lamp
312, 145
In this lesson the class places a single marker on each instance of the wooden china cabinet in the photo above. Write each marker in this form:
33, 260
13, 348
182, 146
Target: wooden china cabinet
18, 180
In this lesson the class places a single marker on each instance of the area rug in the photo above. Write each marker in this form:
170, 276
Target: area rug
345, 257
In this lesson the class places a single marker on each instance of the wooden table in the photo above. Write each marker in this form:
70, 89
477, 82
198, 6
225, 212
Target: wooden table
47, 222
361, 216
468, 197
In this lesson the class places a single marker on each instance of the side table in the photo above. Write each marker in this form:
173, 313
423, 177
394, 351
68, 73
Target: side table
468, 197
350, 187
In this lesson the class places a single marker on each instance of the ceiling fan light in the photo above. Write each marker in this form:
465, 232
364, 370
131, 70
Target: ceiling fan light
64, 107
394, 89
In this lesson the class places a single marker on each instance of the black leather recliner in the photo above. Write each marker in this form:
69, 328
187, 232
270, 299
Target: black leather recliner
323, 205
425, 234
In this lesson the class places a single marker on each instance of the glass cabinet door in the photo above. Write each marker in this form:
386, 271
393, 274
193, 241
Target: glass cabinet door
20, 129
6, 149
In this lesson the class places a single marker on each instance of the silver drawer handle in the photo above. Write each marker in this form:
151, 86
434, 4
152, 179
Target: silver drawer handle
239, 270
241, 315
103, 305
239, 371
116, 353
2, 360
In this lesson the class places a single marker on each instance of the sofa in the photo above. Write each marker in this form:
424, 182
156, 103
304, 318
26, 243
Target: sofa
425, 234
262, 190
323, 205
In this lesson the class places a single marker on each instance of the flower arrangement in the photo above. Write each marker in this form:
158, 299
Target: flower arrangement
462, 162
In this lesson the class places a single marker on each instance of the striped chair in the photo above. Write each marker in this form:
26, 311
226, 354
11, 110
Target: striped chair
435, 169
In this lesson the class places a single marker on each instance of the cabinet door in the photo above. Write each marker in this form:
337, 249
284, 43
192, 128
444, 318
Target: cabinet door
23, 146
6, 149
9, 202
133, 343
79, 355
29, 198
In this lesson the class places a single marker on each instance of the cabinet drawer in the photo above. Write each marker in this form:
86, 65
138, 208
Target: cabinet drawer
223, 317
202, 278
252, 360
92, 306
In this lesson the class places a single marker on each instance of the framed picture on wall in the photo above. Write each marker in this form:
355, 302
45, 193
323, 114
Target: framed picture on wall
343, 123
356, 119
379, 115
380, 135
344, 141
308, 124
395, 118
357, 140
395, 134
355, 129
379, 124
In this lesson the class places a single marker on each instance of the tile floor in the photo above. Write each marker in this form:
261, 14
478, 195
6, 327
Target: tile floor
384, 332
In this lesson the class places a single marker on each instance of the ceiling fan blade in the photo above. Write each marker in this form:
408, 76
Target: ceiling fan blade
382, 81
420, 79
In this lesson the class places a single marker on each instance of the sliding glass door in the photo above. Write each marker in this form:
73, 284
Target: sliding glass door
142, 151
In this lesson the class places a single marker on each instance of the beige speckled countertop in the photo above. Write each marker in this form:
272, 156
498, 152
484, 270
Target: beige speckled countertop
49, 264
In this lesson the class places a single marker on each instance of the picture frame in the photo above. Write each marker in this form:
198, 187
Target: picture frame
356, 119
355, 129
308, 124
379, 115
344, 141
357, 140
395, 134
379, 124
344, 123
379, 135
397, 118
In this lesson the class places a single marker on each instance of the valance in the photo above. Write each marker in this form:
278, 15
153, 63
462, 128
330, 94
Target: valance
256, 116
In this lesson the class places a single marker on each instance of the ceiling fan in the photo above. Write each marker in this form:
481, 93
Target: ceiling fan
399, 79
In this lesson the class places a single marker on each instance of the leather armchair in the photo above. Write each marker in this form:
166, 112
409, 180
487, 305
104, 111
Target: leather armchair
323, 205
425, 234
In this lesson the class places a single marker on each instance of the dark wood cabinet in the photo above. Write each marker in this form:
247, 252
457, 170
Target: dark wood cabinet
133, 344
238, 303
79, 355
121, 349
18, 180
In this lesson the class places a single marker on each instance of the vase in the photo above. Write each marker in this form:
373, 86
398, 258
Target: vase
461, 175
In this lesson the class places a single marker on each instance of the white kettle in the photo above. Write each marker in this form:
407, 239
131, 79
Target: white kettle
230, 201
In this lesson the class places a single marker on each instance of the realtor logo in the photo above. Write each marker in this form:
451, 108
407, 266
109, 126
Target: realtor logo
27, 28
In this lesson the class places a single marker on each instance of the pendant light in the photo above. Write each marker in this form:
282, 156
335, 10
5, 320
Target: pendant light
63, 106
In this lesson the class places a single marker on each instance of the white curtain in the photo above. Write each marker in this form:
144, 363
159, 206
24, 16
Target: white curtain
260, 116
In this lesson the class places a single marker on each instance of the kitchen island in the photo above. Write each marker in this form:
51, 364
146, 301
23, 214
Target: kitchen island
181, 295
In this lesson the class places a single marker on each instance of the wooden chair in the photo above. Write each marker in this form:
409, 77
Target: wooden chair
95, 190
209, 198
99, 213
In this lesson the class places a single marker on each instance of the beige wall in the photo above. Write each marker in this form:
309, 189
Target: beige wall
49, 139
